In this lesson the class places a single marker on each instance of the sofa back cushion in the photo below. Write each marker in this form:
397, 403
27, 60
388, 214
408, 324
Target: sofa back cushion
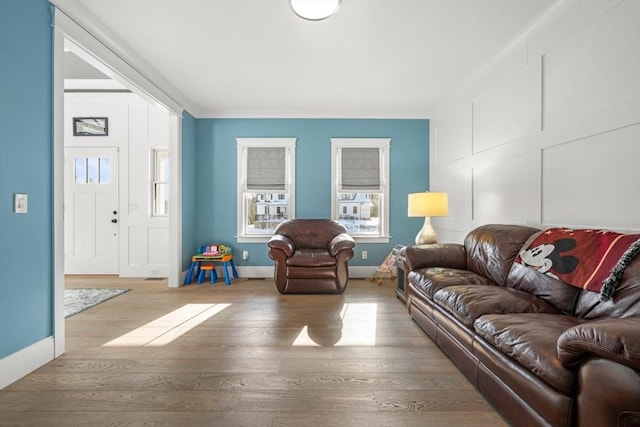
624, 303
547, 288
492, 248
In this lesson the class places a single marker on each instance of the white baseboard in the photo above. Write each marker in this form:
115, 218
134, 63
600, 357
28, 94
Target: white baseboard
355, 272
25, 361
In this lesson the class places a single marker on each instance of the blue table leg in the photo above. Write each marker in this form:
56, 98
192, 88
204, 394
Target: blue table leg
227, 280
189, 277
214, 275
201, 275
233, 269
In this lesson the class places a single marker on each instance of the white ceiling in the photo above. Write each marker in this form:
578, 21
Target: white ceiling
255, 58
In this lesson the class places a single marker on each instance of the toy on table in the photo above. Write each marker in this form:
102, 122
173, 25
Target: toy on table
215, 250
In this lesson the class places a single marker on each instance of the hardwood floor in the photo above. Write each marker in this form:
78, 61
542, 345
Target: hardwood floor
244, 355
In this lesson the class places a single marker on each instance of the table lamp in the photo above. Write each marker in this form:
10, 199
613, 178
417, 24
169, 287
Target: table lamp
427, 205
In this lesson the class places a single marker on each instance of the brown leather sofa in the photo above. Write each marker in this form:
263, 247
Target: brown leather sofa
311, 256
542, 352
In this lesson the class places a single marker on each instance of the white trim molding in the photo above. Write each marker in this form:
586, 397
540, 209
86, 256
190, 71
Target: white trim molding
108, 59
25, 361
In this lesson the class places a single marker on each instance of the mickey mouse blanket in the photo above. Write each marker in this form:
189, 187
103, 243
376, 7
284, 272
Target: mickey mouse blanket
589, 259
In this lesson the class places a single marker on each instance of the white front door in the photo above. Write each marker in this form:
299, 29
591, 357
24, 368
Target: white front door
91, 227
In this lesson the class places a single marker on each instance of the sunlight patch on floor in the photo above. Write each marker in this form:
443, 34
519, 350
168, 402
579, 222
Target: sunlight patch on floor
169, 327
358, 327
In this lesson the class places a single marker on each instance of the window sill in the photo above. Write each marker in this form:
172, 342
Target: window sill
254, 239
372, 239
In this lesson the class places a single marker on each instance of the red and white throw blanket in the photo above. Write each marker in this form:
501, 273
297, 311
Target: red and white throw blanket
589, 259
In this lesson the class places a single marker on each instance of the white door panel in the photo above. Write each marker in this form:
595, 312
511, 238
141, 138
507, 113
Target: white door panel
91, 211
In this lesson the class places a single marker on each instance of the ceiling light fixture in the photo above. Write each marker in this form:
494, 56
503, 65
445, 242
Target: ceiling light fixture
314, 10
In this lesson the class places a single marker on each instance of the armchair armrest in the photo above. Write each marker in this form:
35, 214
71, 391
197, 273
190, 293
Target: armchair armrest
615, 339
448, 255
278, 241
341, 242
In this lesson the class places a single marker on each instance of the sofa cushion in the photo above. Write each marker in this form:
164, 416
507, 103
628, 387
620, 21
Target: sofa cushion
492, 248
625, 301
531, 339
467, 303
430, 280
547, 288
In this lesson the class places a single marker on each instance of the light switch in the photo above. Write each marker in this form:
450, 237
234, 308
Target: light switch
20, 203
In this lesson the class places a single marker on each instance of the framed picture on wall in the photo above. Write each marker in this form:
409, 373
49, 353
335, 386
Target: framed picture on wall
90, 126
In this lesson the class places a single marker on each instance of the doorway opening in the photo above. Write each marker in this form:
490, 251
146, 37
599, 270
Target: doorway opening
159, 231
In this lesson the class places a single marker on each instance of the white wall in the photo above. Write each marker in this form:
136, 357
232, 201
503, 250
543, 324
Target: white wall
549, 133
135, 127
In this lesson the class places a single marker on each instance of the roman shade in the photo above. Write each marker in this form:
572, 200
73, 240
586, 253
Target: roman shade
360, 169
266, 168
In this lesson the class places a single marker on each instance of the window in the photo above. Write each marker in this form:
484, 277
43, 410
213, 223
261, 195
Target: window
92, 170
160, 185
266, 186
360, 187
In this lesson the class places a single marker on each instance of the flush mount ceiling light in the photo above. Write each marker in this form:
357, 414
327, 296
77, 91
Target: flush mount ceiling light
314, 10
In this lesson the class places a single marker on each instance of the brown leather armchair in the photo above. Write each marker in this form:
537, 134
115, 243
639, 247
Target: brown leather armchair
311, 256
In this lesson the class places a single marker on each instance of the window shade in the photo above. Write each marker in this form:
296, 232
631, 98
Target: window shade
265, 168
360, 169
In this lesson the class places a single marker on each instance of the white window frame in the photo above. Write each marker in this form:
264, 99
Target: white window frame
383, 145
289, 144
155, 182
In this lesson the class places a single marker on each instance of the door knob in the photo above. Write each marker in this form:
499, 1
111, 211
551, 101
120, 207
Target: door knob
114, 220
115, 212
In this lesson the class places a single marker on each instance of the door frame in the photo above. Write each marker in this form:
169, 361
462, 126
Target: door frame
99, 55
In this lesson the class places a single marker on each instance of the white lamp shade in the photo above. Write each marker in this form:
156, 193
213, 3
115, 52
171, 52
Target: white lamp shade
428, 204
314, 10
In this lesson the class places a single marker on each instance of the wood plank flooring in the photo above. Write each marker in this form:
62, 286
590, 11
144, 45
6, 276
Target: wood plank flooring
244, 355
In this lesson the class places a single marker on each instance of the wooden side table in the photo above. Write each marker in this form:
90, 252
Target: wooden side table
400, 281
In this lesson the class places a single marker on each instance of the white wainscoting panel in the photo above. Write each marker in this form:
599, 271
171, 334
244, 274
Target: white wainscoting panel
453, 133
499, 191
576, 162
589, 72
455, 180
158, 242
135, 256
594, 182
500, 115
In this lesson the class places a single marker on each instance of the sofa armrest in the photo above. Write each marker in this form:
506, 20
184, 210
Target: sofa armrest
341, 242
613, 338
447, 255
283, 243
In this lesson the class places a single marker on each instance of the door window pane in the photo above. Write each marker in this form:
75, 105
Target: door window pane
105, 170
80, 170
92, 170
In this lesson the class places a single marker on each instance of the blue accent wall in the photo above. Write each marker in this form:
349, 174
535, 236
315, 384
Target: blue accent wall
216, 170
26, 166
188, 167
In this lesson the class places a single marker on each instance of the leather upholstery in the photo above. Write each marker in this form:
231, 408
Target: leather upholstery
541, 351
311, 256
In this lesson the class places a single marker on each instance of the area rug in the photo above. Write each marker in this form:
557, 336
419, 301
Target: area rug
77, 300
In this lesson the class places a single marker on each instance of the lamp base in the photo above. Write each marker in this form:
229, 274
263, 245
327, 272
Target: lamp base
427, 235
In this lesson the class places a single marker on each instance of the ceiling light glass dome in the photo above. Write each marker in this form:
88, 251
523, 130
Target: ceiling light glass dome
314, 10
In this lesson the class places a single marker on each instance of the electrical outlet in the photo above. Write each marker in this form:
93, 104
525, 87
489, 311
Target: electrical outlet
245, 255
364, 254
